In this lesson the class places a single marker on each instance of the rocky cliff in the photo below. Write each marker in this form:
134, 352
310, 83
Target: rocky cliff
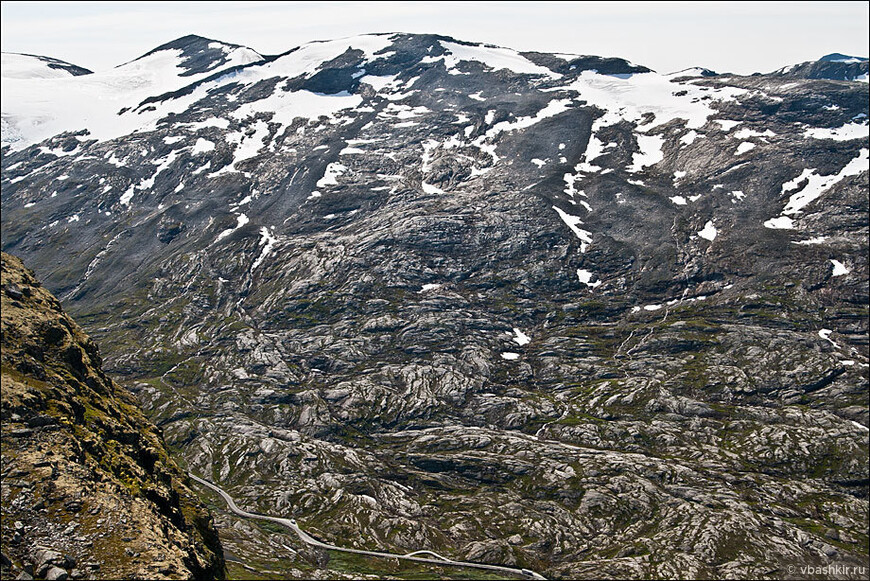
555, 311
88, 488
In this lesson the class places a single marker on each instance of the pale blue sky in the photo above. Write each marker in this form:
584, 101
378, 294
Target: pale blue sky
739, 37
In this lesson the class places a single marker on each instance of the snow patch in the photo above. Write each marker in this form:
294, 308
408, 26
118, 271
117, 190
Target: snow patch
632, 98
127, 196
572, 222
552, 108
780, 223
290, 105
826, 335
746, 133
379, 83
650, 152
811, 186
494, 58
220, 123
267, 241
430, 189
521, 338
727, 124
689, 137
816, 240
816, 185
202, 146
709, 232
241, 220
744, 147
330, 175
586, 277
847, 132
839, 268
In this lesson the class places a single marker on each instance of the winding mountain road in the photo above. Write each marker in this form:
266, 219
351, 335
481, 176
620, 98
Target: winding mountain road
308, 539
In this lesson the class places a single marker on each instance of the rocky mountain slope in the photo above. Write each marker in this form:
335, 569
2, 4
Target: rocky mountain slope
836, 66
551, 311
88, 489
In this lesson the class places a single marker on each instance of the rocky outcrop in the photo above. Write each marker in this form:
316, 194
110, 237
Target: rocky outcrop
88, 488
837, 67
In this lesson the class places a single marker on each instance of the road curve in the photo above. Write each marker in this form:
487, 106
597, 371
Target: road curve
308, 539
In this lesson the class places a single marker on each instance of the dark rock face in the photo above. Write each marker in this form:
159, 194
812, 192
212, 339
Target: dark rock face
86, 477
554, 311
836, 66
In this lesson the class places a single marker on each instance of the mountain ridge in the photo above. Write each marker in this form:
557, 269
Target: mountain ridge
203, 51
194, 39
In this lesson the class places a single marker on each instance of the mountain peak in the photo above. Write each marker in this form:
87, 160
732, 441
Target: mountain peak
188, 42
834, 66
694, 72
836, 57
32, 66
199, 54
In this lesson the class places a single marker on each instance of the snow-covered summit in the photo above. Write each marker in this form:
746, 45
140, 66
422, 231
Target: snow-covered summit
199, 55
38, 103
136, 95
693, 72
174, 80
31, 66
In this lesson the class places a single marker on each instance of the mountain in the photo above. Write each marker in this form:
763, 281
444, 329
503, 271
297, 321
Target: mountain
28, 66
36, 107
198, 55
88, 486
549, 311
695, 72
834, 66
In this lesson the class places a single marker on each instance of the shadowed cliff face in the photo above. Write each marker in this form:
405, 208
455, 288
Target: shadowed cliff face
558, 312
87, 486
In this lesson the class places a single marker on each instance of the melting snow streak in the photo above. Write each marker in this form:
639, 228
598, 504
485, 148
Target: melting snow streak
572, 222
267, 241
